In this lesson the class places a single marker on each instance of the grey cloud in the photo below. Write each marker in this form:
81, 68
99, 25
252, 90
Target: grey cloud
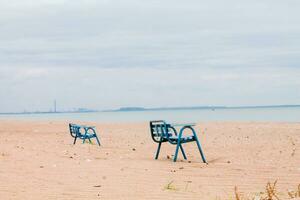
127, 48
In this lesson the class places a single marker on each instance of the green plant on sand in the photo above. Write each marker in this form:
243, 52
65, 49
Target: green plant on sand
170, 186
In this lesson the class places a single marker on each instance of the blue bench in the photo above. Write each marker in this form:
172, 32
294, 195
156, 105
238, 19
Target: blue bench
163, 132
83, 132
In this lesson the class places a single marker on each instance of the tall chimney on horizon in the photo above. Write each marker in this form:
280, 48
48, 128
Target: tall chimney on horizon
55, 105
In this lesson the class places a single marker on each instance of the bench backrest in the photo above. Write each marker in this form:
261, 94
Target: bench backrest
75, 130
159, 131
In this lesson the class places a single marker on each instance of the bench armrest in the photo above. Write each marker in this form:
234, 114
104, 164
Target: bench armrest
86, 127
183, 125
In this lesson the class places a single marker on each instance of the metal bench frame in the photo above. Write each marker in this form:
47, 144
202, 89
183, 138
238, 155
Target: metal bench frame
163, 132
89, 132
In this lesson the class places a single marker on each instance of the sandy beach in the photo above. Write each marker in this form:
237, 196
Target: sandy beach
39, 161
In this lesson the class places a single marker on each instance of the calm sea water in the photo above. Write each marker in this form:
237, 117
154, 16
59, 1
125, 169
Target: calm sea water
257, 114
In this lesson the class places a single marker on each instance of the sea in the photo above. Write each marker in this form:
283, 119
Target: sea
277, 114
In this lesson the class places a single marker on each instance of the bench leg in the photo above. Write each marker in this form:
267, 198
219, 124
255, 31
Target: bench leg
182, 151
176, 151
83, 141
98, 141
200, 150
158, 150
75, 140
90, 141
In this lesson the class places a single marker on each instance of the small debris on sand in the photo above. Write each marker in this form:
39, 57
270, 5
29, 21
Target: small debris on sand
97, 186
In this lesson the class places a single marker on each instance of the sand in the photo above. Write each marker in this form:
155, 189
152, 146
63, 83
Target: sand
39, 161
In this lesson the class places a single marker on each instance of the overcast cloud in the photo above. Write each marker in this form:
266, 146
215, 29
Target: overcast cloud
111, 53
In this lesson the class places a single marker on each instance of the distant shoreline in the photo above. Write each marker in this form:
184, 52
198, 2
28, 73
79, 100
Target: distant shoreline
36, 113
132, 109
139, 109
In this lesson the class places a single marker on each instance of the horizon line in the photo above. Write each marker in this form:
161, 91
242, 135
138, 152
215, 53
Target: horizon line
138, 108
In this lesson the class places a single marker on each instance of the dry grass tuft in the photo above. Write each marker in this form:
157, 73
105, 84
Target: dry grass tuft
294, 194
237, 194
271, 191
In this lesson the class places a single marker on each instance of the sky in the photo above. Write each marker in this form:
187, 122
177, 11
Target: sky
105, 54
